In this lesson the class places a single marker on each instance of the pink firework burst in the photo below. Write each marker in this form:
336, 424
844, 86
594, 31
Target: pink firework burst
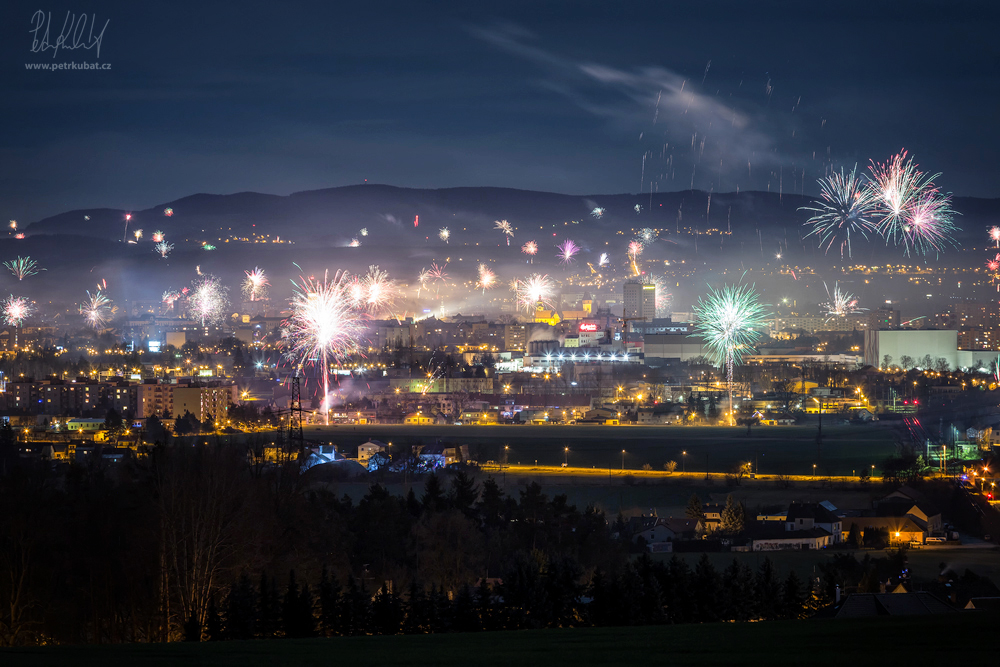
567, 250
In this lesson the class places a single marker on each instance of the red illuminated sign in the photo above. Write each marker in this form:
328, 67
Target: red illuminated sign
588, 326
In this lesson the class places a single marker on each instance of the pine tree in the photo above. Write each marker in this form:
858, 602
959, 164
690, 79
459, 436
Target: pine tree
733, 517
305, 618
466, 619
694, 508
433, 499
416, 610
387, 613
768, 591
213, 622
240, 610
707, 596
329, 601
290, 608
793, 597
484, 605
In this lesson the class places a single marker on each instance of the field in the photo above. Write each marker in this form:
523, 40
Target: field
914, 640
792, 450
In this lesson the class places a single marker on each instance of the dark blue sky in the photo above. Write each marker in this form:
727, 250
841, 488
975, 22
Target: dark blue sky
574, 97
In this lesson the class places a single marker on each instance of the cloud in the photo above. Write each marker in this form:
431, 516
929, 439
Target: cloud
681, 125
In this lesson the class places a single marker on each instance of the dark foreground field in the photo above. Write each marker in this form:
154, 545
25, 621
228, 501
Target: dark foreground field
913, 641
789, 450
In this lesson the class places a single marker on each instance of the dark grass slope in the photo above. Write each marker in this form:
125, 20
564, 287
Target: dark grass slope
903, 641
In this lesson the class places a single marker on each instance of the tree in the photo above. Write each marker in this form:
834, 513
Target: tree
694, 510
927, 362
155, 432
906, 362
941, 365
433, 499
854, 536
670, 466
886, 361
733, 516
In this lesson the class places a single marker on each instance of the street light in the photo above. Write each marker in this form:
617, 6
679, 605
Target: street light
684, 461
814, 470
566, 453
623, 459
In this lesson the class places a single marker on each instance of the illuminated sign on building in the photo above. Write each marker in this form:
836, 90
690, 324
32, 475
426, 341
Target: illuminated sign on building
589, 326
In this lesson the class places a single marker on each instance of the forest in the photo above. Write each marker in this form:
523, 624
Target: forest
193, 543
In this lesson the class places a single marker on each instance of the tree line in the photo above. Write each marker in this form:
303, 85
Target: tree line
195, 542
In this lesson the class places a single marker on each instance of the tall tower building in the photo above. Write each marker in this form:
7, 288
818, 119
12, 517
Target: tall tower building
639, 300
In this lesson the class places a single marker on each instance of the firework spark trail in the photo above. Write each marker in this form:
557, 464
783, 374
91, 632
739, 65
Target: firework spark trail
208, 300
729, 320
437, 276
323, 326
163, 248
597, 212
423, 278
255, 285
533, 290
97, 309
504, 226
22, 267
16, 309
158, 236
444, 234
487, 278
840, 303
845, 208
634, 250
567, 250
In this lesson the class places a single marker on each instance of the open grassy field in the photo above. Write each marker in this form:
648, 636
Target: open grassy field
846, 450
915, 640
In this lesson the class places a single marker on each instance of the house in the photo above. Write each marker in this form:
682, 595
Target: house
366, 450
866, 605
433, 455
805, 516
773, 536
713, 515
654, 530
901, 530
776, 419
419, 419
907, 501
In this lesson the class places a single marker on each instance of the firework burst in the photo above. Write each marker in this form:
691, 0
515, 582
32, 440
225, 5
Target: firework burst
728, 320
354, 243
567, 250
928, 224
597, 212
97, 309
845, 208
163, 248
444, 234
363, 231
16, 309
158, 236
22, 267
487, 278
378, 292
170, 297
637, 208
534, 290
504, 226
839, 303
208, 300
664, 298
645, 236
168, 212
255, 285
323, 326
604, 260
137, 234
995, 235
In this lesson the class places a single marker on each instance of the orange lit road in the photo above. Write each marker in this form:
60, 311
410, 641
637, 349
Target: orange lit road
570, 471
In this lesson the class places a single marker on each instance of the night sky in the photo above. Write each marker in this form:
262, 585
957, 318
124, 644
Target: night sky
573, 97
